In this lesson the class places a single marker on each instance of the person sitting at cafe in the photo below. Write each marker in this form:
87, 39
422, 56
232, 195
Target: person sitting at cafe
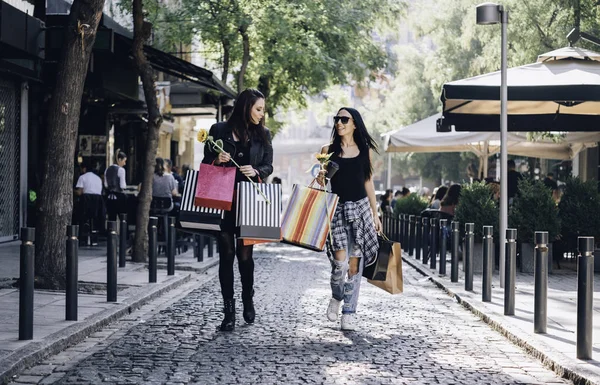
164, 185
91, 205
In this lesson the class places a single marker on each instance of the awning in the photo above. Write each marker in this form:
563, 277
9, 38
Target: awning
560, 92
175, 66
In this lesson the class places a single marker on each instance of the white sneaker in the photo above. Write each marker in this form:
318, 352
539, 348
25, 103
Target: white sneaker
333, 309
348, 322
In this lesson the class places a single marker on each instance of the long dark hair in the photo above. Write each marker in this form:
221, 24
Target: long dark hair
363, 140
240, 120
451, 197
440, 193
159, 167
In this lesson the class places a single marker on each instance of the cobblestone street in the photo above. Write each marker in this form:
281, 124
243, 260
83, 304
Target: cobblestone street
419, 337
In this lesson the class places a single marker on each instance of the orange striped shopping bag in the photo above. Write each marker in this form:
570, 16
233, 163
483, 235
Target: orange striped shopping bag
307, 217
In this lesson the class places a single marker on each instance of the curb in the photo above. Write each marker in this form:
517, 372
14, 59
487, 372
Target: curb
71, 335
198, 270
518, 338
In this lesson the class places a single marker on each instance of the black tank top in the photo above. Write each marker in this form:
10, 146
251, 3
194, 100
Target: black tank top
349, 181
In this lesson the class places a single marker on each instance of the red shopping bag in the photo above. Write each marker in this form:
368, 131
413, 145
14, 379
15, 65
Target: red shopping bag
215, 187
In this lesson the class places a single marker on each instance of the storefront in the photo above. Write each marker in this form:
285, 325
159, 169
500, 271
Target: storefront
21, 53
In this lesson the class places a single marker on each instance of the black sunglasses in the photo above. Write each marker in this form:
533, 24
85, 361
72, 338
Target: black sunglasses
344, 119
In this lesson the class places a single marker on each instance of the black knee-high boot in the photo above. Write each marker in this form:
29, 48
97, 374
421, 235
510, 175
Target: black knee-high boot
228, 323
248, 307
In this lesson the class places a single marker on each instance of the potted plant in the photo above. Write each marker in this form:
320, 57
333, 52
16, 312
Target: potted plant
411, 205
578, 212
533, 209
476, 205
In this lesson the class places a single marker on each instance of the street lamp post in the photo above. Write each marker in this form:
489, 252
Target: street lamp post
490, 13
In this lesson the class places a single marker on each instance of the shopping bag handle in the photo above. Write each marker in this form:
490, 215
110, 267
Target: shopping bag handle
311, 185
217, 165
382, 235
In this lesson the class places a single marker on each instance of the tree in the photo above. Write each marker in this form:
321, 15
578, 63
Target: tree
306, 46
56, 193
141, 33
288, 50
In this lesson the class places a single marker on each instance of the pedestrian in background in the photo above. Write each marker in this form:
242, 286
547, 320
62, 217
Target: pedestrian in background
450, 200
355, 224
437, 198
248, 141
386, 204
397, 196
115, 184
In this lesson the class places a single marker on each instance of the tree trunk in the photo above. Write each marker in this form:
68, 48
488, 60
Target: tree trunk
56, 192
245, 58
226, 50
141, 33
264, 86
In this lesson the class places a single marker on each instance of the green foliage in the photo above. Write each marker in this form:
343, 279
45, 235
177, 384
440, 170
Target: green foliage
533, 209
578, 210
296, 48
450, 166
476, 205
411, 205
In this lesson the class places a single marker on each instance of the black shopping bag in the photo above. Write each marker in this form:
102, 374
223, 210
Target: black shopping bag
377, 271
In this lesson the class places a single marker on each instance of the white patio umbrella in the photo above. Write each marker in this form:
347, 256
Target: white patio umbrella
421, 136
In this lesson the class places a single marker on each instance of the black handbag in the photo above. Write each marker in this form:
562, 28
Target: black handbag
377, 271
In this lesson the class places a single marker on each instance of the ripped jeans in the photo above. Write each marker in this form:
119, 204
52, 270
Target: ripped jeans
344, 287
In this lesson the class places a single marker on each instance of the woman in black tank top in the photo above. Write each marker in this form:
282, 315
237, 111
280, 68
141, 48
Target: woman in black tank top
355, 224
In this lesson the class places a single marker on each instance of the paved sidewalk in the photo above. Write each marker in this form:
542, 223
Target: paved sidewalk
51, 332
557, 348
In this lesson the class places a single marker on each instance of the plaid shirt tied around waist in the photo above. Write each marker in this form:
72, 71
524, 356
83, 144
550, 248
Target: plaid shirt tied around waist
358, 214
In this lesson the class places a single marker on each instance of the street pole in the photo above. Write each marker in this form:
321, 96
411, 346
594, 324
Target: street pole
503, 149
389, 171
487, 14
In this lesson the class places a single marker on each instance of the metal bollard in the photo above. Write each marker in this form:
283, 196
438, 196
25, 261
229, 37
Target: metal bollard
152, 249
411, 235
396, 226
540, 305
418, 237
26, 281
488, 263
510, 275
425, 240
171, 247
210, 247
454, 251
111, 268
72, 273
434, 243
585, 297
406, 232
401, 230
442, 247
123, 240
200, 247
468, 261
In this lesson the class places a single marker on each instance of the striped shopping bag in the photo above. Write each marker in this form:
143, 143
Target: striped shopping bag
259, 220
196, 217
307, 218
